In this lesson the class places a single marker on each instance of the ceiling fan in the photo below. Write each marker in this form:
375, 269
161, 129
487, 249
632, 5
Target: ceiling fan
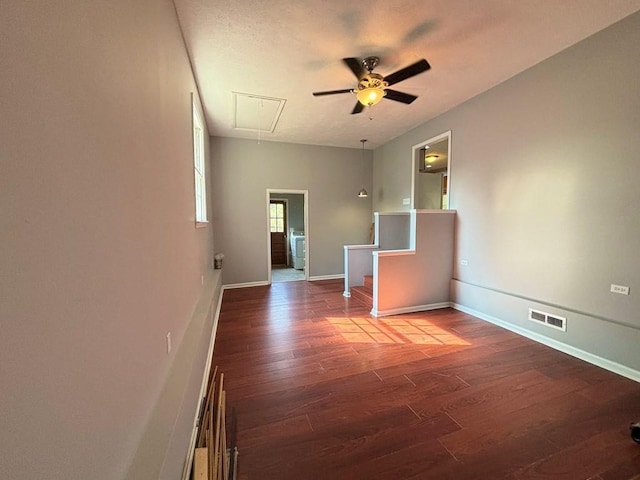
372, 87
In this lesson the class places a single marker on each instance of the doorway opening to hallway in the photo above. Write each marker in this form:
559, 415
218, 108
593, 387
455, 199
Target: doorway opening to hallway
287, 215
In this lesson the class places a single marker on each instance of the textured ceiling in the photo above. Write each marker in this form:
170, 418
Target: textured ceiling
287, 50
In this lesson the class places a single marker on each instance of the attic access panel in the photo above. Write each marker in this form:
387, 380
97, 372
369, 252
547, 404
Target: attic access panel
256, 113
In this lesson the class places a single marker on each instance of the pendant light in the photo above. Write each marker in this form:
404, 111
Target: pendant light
363, 193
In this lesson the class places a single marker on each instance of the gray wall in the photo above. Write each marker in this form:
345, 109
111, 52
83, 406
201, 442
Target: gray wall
100, 256
428, 190
544, 177
393, 231
243, 170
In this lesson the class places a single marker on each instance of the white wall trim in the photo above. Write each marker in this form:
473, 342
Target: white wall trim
411, 309
346, 293
596, 360
446, 210
394, 253
315, 278
361, 247
245, 285
186, 472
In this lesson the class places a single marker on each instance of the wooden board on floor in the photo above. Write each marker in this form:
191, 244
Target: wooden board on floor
201, 464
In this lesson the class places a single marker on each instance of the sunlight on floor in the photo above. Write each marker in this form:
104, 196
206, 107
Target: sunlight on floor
393, 331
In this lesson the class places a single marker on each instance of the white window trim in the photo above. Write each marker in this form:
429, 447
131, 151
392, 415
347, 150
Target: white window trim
199, 172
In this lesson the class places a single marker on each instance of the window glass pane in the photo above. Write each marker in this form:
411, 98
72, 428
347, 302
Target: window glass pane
276, 216
200, 190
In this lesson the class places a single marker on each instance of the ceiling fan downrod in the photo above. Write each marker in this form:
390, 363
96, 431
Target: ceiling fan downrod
369, 63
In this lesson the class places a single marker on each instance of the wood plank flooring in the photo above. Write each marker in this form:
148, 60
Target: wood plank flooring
324, 391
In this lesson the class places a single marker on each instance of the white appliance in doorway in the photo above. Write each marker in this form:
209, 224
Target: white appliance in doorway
298, 247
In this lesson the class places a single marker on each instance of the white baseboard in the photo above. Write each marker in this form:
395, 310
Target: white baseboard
245, 285
411, 309
265, 283
563, 347
326, 277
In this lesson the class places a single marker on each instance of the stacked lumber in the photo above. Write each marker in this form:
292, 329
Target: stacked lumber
216, 455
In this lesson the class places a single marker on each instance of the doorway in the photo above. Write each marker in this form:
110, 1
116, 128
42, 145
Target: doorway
430, 173
287, 219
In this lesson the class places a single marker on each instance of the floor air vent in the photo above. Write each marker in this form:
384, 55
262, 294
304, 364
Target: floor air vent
553, 321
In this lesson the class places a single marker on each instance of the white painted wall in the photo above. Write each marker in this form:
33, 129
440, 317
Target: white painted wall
242, 172
544, 178
100, 257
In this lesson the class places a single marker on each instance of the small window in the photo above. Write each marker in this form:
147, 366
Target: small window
198, 166
276, 216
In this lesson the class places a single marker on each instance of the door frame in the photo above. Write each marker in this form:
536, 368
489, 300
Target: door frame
278, 191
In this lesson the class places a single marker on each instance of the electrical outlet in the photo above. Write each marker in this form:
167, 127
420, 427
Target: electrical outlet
621, 289
168, 342
406, 201
464, 262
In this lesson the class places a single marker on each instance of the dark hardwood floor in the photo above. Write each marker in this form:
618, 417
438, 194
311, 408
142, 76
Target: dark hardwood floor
324, 391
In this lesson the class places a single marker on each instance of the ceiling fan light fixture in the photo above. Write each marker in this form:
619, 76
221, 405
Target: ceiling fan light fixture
371, 89
370, 96
428, 160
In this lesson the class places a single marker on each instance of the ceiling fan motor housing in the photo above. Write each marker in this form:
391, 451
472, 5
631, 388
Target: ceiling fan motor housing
372, 80
369, 63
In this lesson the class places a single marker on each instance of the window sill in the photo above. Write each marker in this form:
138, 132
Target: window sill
202, 224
